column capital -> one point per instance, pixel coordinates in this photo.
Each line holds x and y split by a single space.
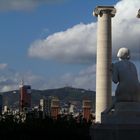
138 15
99 10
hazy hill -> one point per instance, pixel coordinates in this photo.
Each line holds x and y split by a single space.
65 94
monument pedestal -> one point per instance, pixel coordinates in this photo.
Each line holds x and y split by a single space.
123 113
115 132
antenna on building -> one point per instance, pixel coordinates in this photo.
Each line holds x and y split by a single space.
21 82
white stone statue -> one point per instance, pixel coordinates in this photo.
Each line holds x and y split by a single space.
124 74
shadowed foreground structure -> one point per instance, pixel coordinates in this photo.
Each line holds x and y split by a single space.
115 132
60 129
65 128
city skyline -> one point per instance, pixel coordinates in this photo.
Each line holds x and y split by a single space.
53 44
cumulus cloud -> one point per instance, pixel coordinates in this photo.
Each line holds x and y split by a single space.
23 4
3 66
75 44
126 27
84 79
10 79
78 43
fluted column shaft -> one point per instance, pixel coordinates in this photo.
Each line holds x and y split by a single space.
138 15
104 59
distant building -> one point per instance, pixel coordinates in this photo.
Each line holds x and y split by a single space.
5 109
86 109
43 107
48 105
55 107
25 97
71 108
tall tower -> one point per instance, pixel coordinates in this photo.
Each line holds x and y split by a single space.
25 97
86 109
104 59
43 107
71 108
55 107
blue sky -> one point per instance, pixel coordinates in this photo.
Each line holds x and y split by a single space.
52 43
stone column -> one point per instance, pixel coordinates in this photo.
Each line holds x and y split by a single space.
104 59
138 15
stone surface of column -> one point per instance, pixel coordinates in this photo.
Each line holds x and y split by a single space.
104 59
138 15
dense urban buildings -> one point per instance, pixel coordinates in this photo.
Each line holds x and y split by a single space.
56 119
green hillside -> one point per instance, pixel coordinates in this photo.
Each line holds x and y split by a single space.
65 94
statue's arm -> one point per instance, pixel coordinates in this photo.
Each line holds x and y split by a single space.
115 74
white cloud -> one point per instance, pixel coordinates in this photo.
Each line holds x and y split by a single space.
6 88
10 79
78 44
84 79
3 66
126 27
23 4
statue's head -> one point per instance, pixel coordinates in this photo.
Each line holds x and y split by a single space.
123 53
